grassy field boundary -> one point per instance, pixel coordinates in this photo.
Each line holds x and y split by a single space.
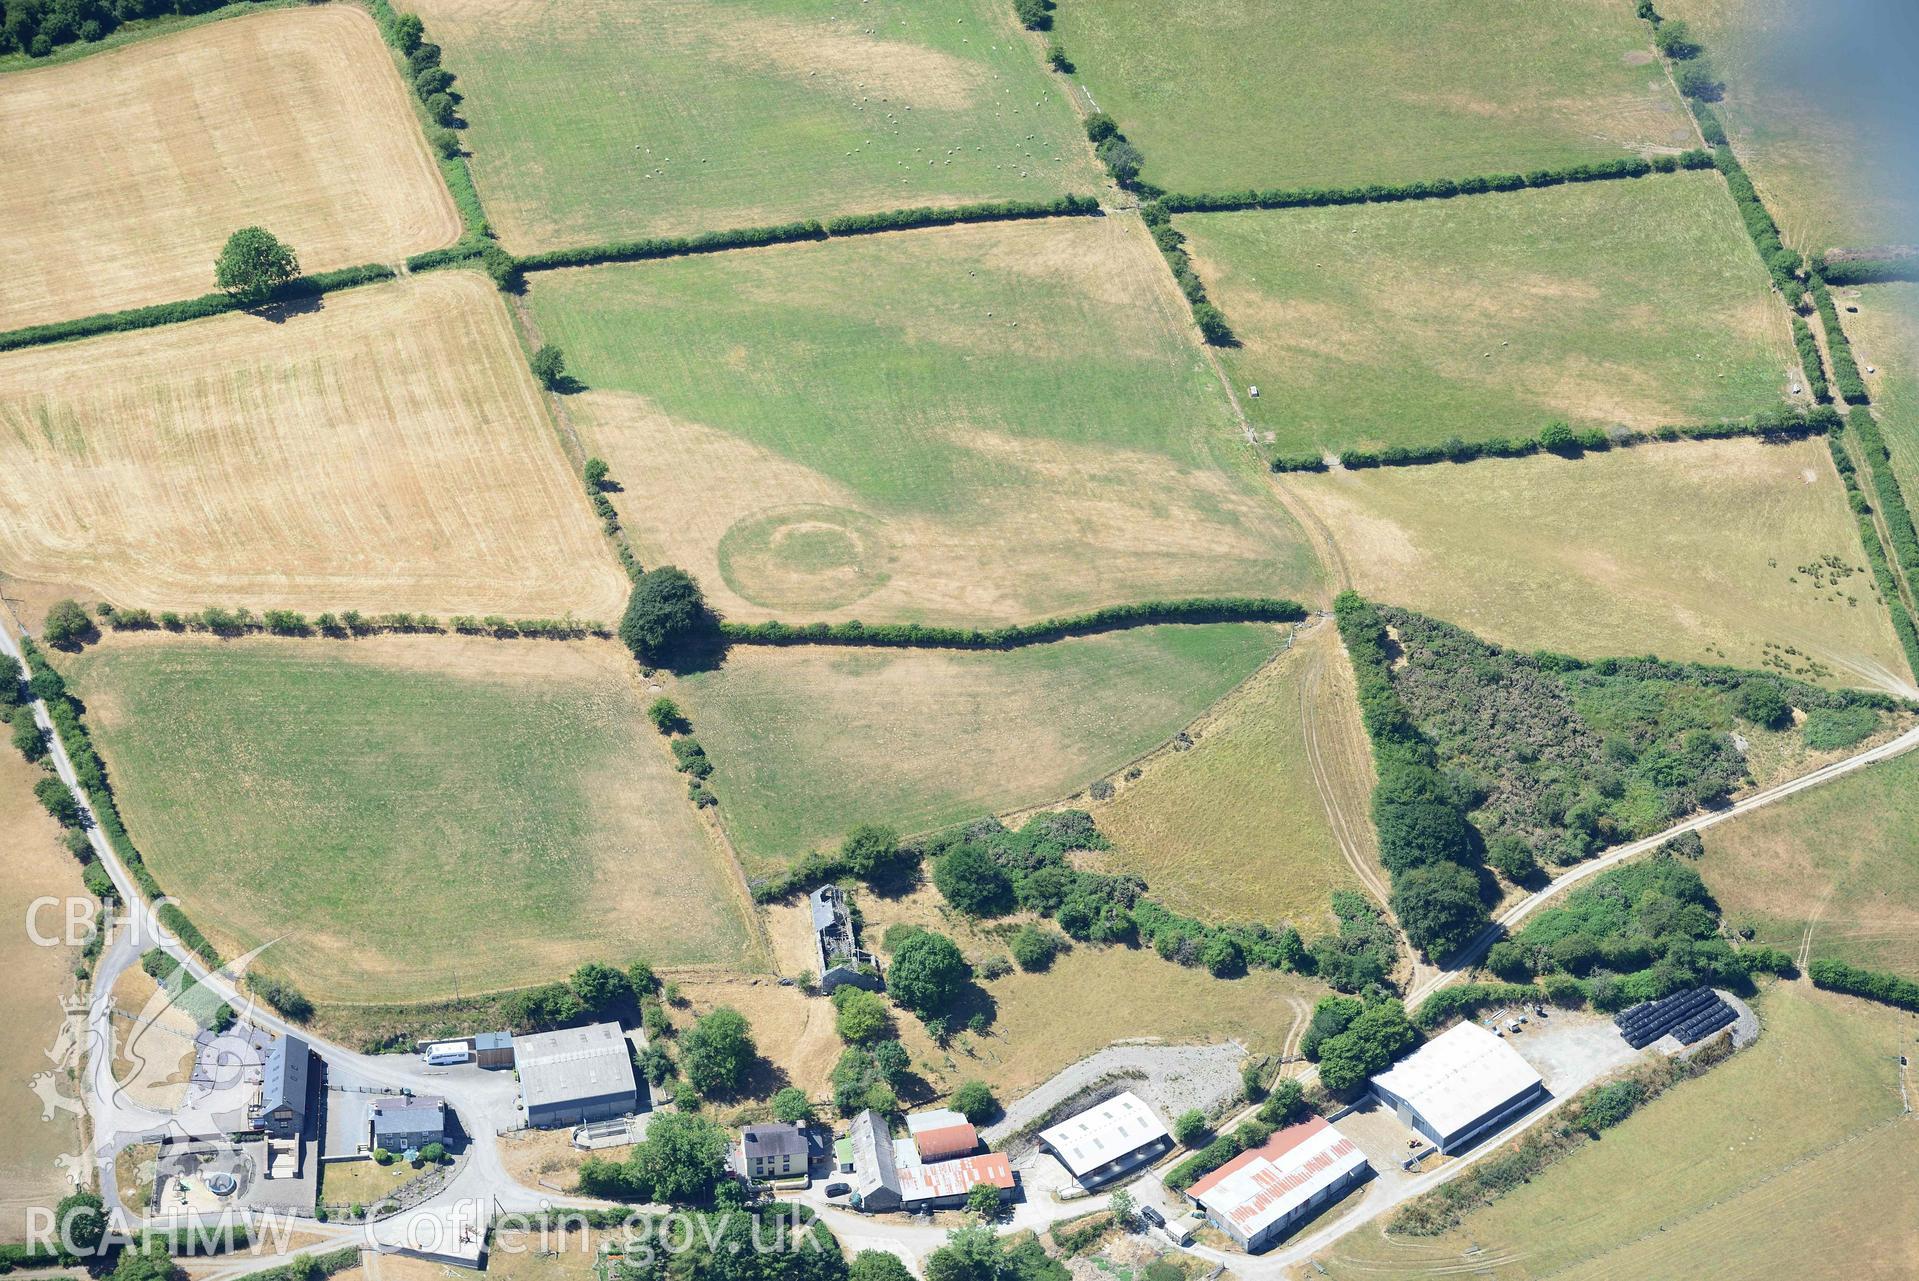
1891 499
1872 985
1782 424
1867 269
1231 609
172 313
1845 370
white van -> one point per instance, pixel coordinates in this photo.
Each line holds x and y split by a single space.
443 1053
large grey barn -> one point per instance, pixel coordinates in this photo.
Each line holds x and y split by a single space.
576 1074
1460 1086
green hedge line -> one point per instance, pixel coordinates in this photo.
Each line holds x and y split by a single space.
1882 577
170 313
1809 359
1781 263
992 211
28 1256
1432 189
1782 423
1868 271
1891 499
673 246
1228 609
1874 985
1845 370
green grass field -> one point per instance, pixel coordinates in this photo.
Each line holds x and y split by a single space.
1235 93
807 743
1841 860
409 816
966 425
1775 1163
1885 336
1689 550
609 119
1242 806
1632 303
1831 177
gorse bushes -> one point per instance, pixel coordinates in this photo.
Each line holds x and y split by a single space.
1429 189
1226 609
1782 423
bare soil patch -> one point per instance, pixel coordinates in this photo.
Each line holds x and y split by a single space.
127 171
386 451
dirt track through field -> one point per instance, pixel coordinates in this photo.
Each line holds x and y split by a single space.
386 451
126 172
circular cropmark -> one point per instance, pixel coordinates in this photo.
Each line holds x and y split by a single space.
806 557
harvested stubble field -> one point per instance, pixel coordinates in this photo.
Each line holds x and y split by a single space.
1237 93
38 978
127 171
1242 809
1831 162
1885 336
387 450
807 743
410 816
1838 864
1630 303
969 425
593 120
1690 551
1772 1164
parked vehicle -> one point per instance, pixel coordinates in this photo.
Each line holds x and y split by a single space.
1152 1216
838 1189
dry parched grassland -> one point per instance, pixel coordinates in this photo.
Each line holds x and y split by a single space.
387 451
410 815
1688 551
1791 1159
972 425
1839 863
1232 94
807 743
1831 173
126 172
34 865
1236 827
598 120
1884 333
1630 303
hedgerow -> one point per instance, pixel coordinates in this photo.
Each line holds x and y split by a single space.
37 28
1783 423
1892 500
1171 243
1845 370
1463 999
1882 576
1430 189
1874 985
992 211
673 246
1867 269
171 313
1809 359
1781 263
1225 609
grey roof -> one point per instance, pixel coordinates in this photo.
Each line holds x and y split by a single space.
405 1113
493 1041
777 1139
574 1064
873 1161
827 906
284 1079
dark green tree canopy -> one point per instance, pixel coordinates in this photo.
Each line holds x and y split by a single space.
666 616
927 973
717 1051
253 264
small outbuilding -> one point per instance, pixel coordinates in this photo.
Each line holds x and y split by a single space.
940 1134
493 1049
1108 1139
1266 1192
1459 1086
576 1074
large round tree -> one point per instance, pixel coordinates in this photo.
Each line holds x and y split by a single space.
927 973
253 264
666 616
